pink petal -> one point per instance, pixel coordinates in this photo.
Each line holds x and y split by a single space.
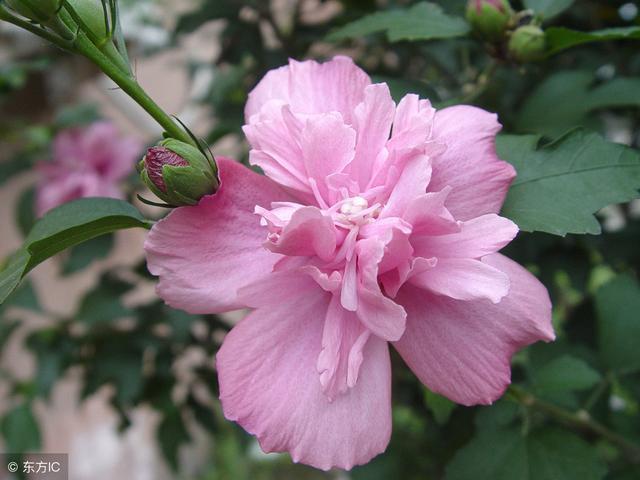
477 238
334 86
327 146
269 384
412 124
470 164
312 87
464 279
373 120
384 317
428 216
343 340
412 183
308 233
275 143
462 349
204 254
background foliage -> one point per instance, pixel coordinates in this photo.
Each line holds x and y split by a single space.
573 412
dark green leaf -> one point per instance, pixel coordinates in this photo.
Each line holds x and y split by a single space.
559 187
565 373
618 307
560 38
507 454
25 211
20 430
571 97
423 21
64 227
548 8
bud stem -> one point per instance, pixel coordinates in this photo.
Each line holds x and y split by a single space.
30 27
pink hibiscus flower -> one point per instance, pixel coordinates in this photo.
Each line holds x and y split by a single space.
87 162
375 223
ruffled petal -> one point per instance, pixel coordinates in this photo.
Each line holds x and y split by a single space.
373 120
308 233
267 370
204 254
478 237
311 87
464 279
462 349
470 164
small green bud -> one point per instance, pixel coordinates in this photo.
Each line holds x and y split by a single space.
92 14
40 11
178 173
527 44
489 19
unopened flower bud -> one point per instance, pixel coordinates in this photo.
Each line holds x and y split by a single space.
40 11
92 16
178 173
489 19
527 44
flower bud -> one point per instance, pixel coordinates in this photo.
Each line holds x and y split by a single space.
527 44
40 11
178 173
489 19
92 15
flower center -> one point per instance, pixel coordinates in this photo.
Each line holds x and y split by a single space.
354 205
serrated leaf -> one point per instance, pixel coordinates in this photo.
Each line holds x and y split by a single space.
64 227
565 373
548 9
562 185
561 38
507 454
571 95
423 21
618 307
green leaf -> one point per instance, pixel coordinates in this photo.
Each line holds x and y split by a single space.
548 8
617 306
571 96
423 21
25 211
507 454
20 430
64 227
440 406
565 373
560 38
560 186
12 167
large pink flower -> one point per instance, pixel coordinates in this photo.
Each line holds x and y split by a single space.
375 223
87 162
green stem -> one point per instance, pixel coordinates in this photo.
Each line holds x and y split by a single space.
483 81
131 87
581 420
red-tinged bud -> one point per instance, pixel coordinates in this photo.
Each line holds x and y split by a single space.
489 19
156 158
178 173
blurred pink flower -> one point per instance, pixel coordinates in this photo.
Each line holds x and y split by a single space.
377 223
87 162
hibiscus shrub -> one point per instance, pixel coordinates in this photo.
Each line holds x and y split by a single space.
433 235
